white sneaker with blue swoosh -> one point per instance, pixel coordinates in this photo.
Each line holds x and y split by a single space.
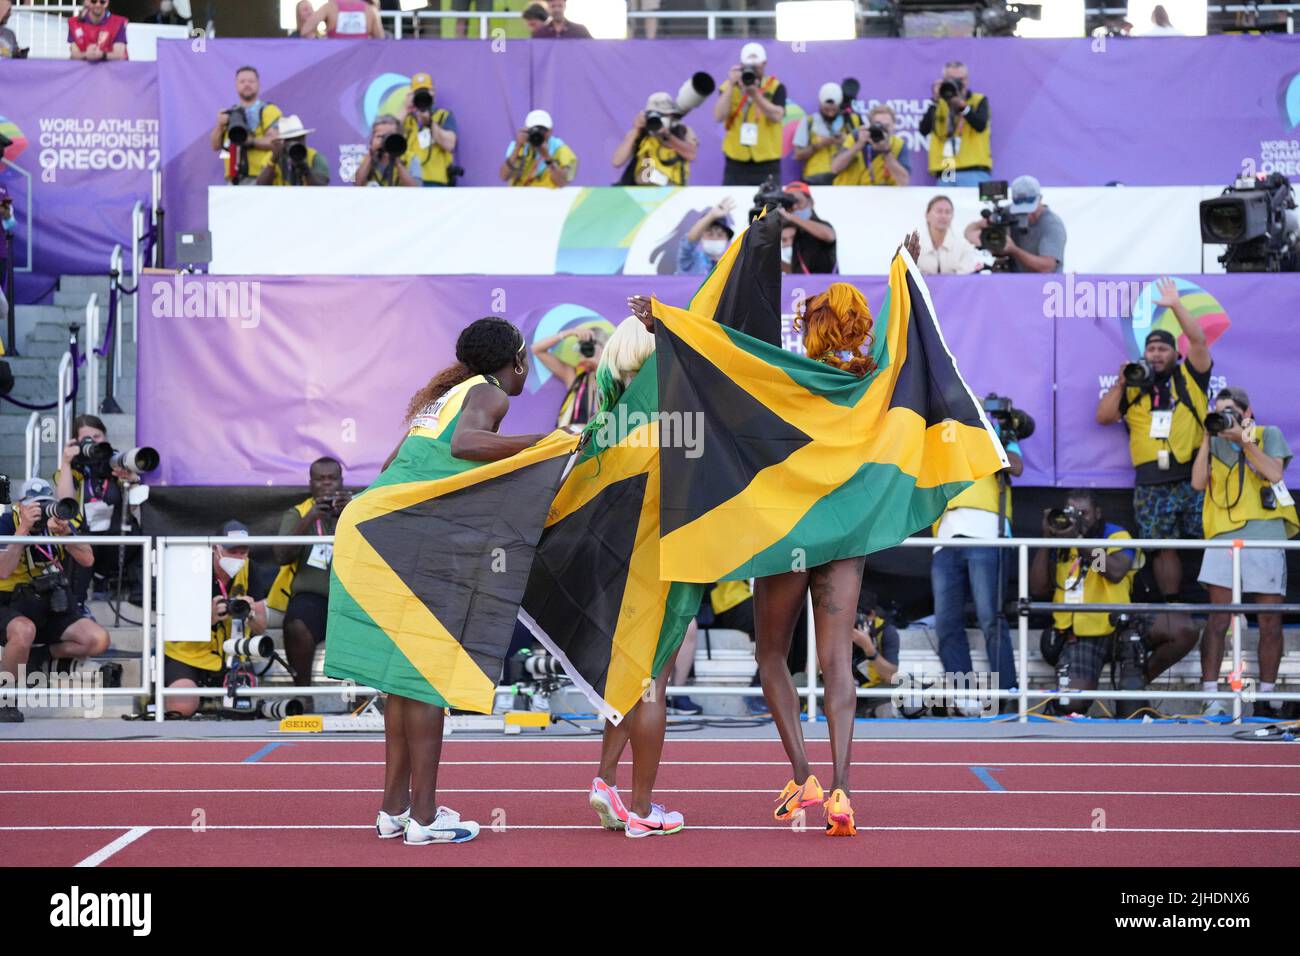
447 827
390 826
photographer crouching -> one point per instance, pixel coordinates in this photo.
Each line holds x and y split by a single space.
203 663
1022 235
293 162
301 590
1240 467
386 162
41 621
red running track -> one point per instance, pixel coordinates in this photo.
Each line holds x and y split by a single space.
296 802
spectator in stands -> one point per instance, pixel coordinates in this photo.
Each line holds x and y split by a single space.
751 106
203 663
41 622
293 162
1161 25
1163 414
581 396
558 28
880 155
813 246
302 588
9 48
95 34
535 17
244 163
462 23
430 133
957 122
343 19
651 24
943 249
659 148
1241 470
165 15
875 653
957 572
538 157
706 240
1039 243
820 137
8 223
383 165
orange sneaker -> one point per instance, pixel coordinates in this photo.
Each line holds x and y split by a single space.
839 816
795 797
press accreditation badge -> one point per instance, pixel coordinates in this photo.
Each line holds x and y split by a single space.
748 134
655 176
321 556
425 138
1162 424
1284 499
1074 591
99 515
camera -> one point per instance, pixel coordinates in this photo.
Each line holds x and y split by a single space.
237 130
335 503
999 222
1256 219
135 460
1065 521
1014 423
536 136
394 145
1139 374
65 509
277 708
949 89
91 452
260 648
298 153
877 134
52 585
654 122
4 490
748 76
422 100
1216 422
1268 498
1128 667
770 194
587 348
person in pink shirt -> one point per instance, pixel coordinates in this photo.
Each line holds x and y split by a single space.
343 19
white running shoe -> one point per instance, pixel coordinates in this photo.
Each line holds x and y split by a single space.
607 803
660 822
447 827
1216 708
388 826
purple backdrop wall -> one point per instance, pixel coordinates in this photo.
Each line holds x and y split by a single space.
299 368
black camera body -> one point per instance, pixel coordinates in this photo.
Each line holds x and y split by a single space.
1014 423
237 128
950 89
1067 521
4 490
587 348
999 222
877 134
654 121
51 585
770 194
298 153
1139 374
422 100
1218 422
394 146
537 136
91 453
748 76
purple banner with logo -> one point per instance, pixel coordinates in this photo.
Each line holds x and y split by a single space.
84 139
244 381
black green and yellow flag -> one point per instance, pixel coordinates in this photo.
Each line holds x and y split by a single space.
595 598
430 564
802 463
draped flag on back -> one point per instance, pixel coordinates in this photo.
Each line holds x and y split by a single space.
430 563
803 463
595 598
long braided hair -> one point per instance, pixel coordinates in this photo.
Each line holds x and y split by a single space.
836 325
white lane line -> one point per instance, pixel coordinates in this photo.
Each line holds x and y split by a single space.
352 738
103 853
777 826
980 792
665 763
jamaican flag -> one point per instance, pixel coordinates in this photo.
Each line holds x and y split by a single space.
430 562
594 597
803 463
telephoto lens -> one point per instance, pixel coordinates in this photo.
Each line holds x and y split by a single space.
537 136
95 452
1063 520
237 127
65 509
395 145
422 100
277 708
748 77
1217 422
1139 374
297 153
260 648
947 90
136 460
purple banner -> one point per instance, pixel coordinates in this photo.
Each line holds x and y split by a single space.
85 137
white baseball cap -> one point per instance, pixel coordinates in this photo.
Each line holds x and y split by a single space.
830 93
538 118
752 54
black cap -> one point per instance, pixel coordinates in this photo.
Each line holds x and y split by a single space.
234 528
1160 335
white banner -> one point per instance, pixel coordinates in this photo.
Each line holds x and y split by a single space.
608 231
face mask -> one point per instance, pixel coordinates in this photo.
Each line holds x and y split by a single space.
232 566
804 213
714 248
9 225
787 254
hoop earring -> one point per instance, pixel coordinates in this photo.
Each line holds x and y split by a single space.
518 370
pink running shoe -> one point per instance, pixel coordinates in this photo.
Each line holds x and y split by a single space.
660 822
605 800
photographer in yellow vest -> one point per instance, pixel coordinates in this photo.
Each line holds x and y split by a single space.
430 134
750 106
1161 402
880 157
957 123
658 149
821 137
1240 468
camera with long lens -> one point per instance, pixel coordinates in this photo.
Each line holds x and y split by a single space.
298 153
239 608
1128 669
254 648
536 136
877 134
748 76
1256 219
770 194
949 90
394 146
654 121
1066 522
1218 422
91 453
851 87
999 222
51 585
64 509
135 460
237 129
1139 374
422 100
278 708
1014 424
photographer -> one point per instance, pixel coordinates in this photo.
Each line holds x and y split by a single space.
824 136
1162 403
245 131
813 247
581 398
957 122
659 148
293 162
875 653
203 663
1034 238
95 35
302 588
751 106
943 250
430 134
386 162
1240 468
706 241
882 155
978 573
537 157
37 607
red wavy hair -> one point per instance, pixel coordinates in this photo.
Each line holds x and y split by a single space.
838 321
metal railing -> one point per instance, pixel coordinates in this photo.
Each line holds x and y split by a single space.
32 451
92 352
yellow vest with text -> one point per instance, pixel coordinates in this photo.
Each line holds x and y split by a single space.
208 656
974 149
434 160
982 495
875 173
278 599
768 146
653 155
1184 433
277 175
820 161
1097 589
1232 499
531 161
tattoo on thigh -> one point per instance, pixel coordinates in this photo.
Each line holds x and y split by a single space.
822 583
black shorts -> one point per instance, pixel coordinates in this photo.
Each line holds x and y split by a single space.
36 608
174 670
738 618
312 610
